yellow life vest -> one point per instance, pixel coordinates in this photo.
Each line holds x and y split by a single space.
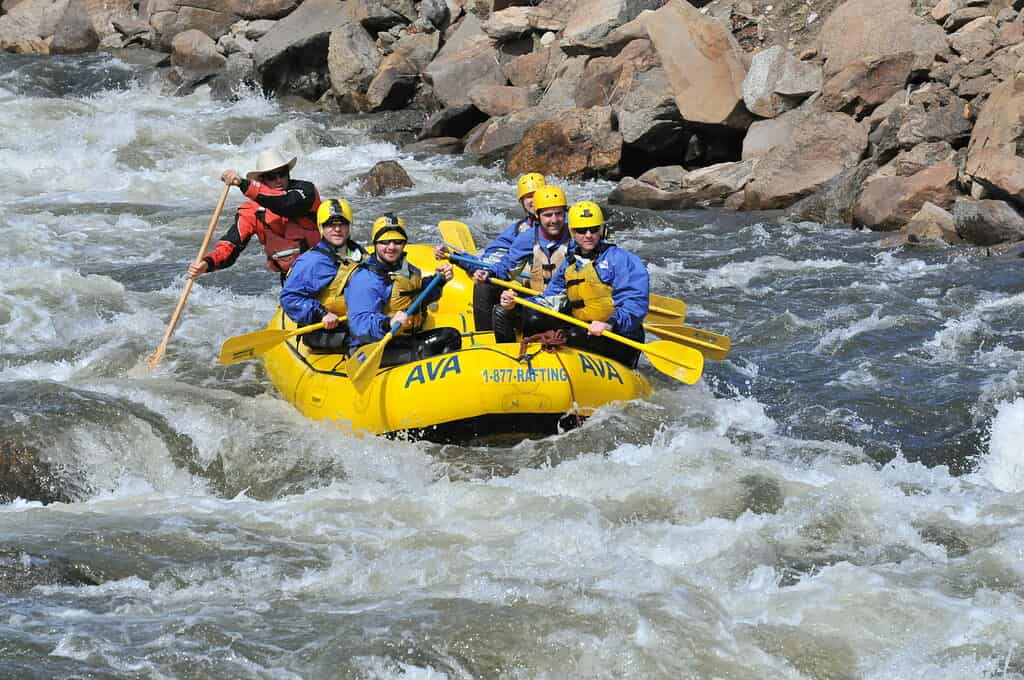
406 284
590 299
333 296
543 267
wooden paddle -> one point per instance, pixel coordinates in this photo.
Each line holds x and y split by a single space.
364 362
154 358
251 345
682 363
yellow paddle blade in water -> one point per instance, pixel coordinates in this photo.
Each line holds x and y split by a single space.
252 345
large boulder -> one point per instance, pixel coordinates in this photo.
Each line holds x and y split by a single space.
292 55
994 156
560 93
864 84
579 143
498 100
398 76
30 25
385 177
765 135
75 33
888 203
381 15
822 146
352 61
592 20
635 85
468 58
931 223
976 40
703 62
168 18
494 139
987 222
514 22
834 202
777 81
675 188
194 57
535 68
860 29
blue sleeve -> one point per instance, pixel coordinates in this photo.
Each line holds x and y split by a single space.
310 275
631 290
365 296
520 251
497 248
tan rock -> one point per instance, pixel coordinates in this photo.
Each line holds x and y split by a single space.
992 154
468 58
579 143
888 203
860 29
535 68
704 64
498 100
931 223
821 147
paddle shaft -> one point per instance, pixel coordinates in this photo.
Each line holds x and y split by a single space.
158 353
370 361
257 343
480 264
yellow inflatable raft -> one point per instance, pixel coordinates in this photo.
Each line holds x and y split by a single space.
484 390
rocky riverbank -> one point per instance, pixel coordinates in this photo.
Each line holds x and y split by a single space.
889 114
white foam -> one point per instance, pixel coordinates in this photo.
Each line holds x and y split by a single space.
1003 466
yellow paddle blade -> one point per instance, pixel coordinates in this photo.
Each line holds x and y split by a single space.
363 364
252 345
665 309
682 363
711 345
457 236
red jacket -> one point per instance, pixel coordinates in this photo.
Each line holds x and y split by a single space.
283 221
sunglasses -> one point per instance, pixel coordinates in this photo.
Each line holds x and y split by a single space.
335 225
587 230
392 242
274 174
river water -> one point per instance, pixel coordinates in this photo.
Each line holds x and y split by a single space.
842 498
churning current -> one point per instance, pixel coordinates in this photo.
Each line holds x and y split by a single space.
841 498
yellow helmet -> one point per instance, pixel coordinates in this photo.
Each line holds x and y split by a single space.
529 183
586 214
388 227
548 196
333 210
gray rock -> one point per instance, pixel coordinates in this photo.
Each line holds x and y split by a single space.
987 222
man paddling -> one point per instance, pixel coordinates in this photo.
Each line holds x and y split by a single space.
599 282
314 291
281 212
380 291
485 296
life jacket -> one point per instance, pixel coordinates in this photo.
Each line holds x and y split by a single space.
285 238
590 299
543 266
406 284
332 297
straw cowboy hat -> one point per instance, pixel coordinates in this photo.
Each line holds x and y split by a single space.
270 160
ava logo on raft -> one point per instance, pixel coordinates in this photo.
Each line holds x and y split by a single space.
429 371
